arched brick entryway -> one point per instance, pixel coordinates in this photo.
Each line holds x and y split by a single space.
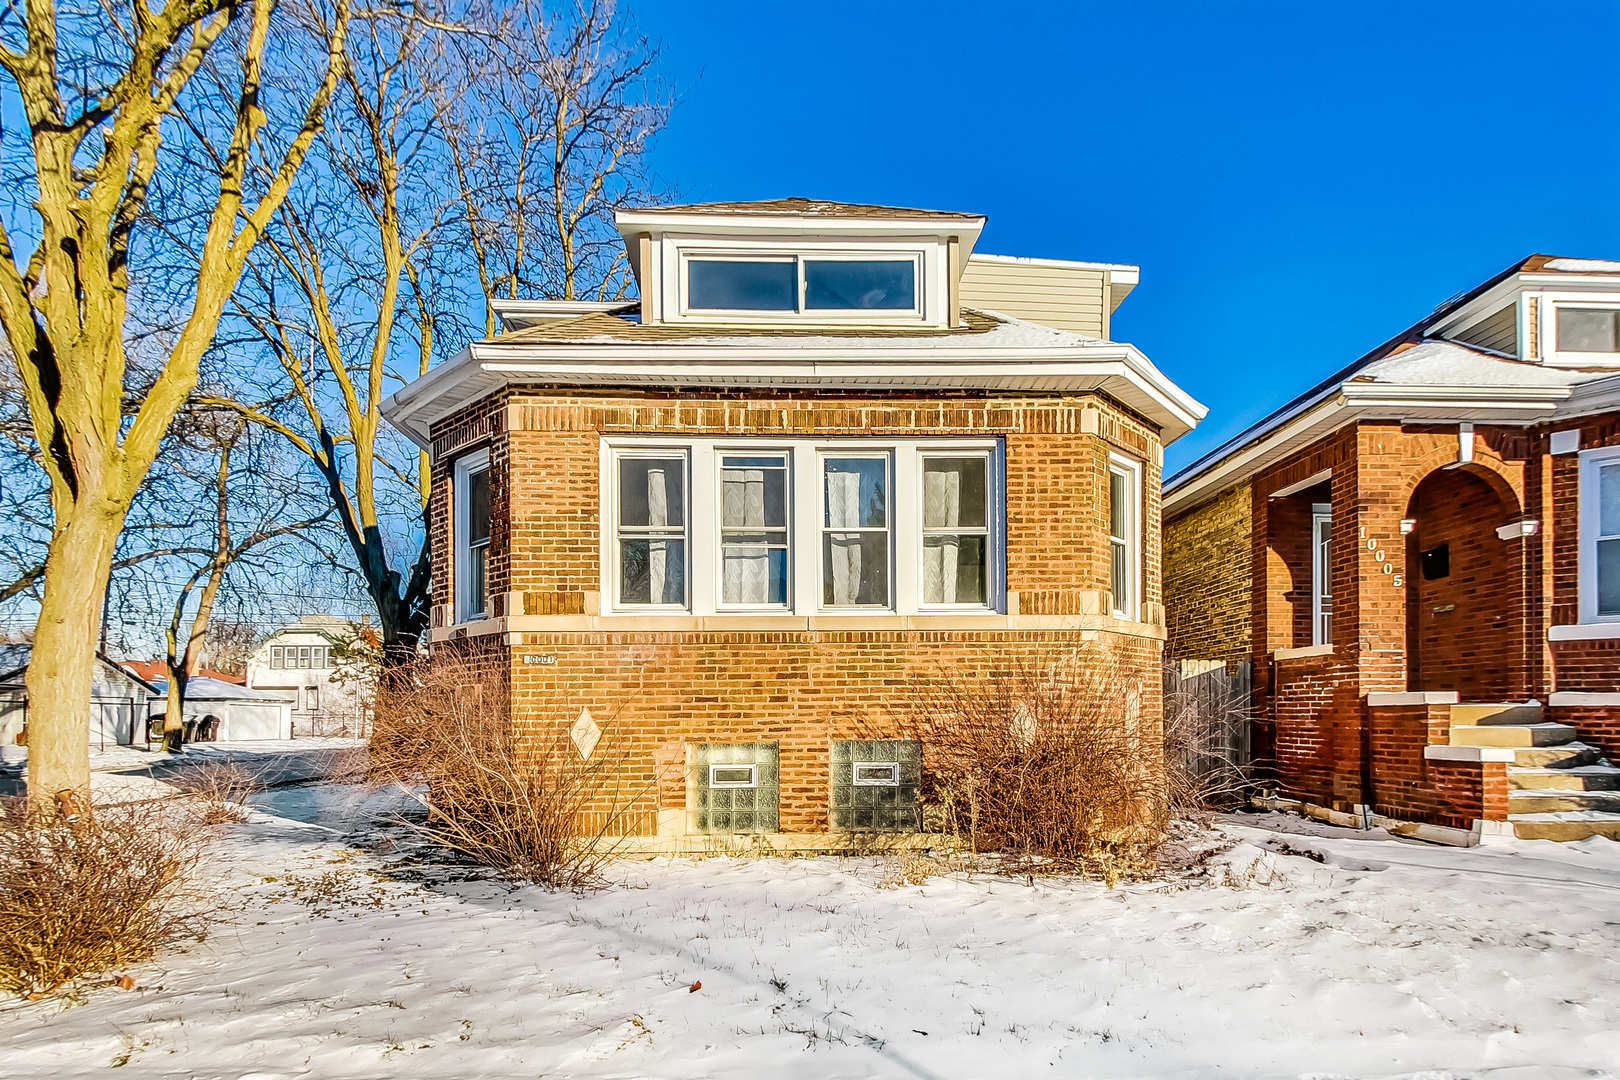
1464 588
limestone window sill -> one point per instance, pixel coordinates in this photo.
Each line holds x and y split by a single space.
1300 653
1584 632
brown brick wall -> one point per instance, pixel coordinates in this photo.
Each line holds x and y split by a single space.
1207 568
799 688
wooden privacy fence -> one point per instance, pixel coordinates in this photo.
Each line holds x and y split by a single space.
1206 717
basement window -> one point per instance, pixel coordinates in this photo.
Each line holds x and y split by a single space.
734 787
874 784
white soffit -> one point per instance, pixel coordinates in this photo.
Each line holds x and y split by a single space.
1309 482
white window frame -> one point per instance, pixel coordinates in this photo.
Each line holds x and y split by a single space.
465 466
805 516
1591 462
312 699
892 766
1548 331
1131 469
928 300
278 658
763 450
874 453
993 496
1321 574
613 563
753 774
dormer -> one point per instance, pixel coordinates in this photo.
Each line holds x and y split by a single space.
1560 312
799 263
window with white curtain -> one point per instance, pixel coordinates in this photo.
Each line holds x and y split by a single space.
754 530
652 530
955 529
855 532
718 525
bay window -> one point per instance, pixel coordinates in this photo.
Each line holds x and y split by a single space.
955 529
714 525
855 532
471 491
754 529
1600 535
1124 502
652 530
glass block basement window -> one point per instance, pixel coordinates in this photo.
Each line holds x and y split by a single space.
736 787
874 784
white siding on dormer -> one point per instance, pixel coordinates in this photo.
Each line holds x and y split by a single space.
1498 332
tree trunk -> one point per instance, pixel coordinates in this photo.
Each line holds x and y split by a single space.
63 662
174 711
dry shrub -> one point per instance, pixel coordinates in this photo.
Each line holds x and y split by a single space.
110 888
533 809
1206 737
222 788
1044 761
911 868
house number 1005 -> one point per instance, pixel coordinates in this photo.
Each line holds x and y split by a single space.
1374 546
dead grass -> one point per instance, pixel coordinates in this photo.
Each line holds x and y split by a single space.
535 809
1046 762
108 889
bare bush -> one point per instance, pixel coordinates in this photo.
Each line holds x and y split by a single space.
110 888
1044 761
222 787
1206 737
536 808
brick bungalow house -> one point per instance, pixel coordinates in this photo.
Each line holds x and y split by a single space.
829 447
1420 559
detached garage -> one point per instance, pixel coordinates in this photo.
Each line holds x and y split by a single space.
118 702
218 711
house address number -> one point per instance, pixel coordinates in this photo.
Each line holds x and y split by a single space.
1381 560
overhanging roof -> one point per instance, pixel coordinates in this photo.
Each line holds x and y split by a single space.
1008 355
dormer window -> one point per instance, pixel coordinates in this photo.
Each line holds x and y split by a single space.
1588 330
837 286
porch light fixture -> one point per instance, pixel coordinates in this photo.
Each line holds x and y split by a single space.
1408 526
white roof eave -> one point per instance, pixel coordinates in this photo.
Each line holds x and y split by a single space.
1118 369
1349 401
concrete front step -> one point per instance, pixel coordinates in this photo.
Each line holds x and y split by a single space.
1567 756
1565 826
1472 714
1558 802
1576 778
1512 735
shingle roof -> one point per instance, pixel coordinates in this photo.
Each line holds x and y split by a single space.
611 329
798 205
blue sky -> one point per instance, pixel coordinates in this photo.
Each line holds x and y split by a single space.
1298 181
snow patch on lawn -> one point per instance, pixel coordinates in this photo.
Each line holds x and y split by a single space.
1299 950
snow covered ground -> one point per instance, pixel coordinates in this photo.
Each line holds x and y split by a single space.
1386 958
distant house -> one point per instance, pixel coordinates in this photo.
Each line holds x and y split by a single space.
118 702
1419 558
229 712
299 661
156 671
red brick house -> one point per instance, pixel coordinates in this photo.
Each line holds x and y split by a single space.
1420 558
829 447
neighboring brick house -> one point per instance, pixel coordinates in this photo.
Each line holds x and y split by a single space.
738 514
1421 559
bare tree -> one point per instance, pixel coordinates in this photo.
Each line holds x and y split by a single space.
185 637
94 86
542 123
546 141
